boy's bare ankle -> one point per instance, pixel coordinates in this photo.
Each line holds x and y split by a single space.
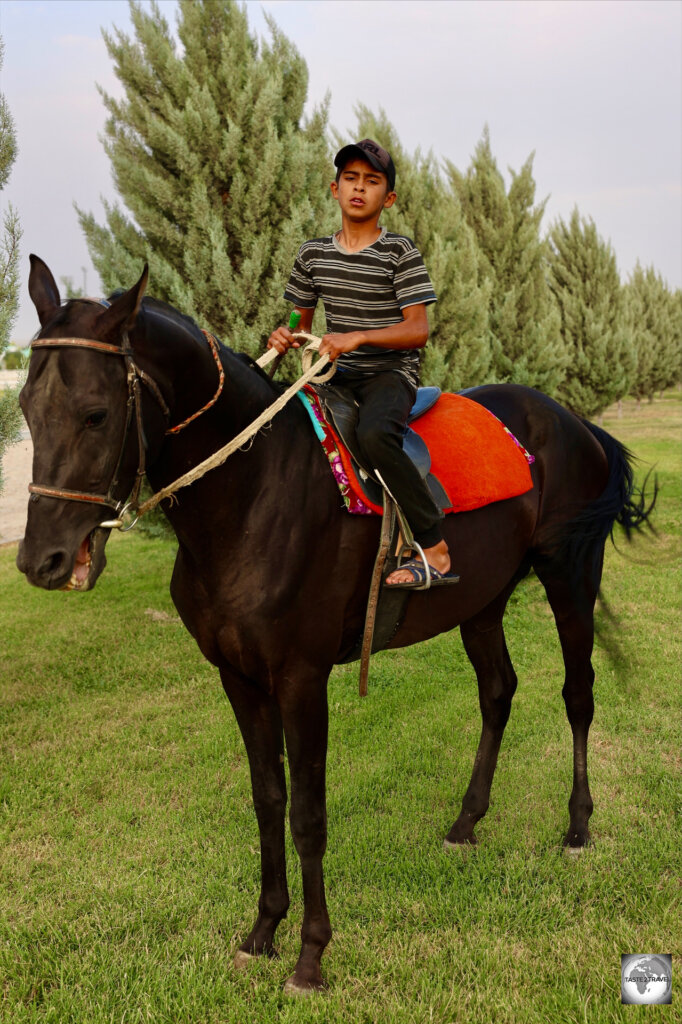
438 556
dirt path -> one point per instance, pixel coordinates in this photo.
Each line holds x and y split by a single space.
16 472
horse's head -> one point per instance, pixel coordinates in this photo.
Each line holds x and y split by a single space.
80 404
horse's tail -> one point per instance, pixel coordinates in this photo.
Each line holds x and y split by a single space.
622 501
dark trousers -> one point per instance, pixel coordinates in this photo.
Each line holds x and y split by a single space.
385 400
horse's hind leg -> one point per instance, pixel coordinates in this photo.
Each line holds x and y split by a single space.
259 720
573 607
485 645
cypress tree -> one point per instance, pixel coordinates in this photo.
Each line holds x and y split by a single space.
458 354
524 322
653 314
676 306
10 416
584 279
221 176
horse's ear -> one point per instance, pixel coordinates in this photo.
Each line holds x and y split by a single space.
43 290
122 313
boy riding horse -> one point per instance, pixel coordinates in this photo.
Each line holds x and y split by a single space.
375 290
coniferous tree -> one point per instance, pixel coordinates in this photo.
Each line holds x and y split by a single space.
676 306
524 322
654 319
69 290
584 279
10 416
458 354
221 176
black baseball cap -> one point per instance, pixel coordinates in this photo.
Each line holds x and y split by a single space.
371 151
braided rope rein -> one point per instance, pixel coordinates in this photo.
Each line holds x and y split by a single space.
213 344
311 372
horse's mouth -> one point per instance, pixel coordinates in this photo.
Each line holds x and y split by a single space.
83 575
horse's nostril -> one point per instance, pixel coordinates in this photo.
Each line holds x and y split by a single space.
53 565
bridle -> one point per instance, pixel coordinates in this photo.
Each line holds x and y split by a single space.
135 378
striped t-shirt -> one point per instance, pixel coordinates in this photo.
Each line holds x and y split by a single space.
362 291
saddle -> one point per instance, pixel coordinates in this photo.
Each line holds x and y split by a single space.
466 455
340 410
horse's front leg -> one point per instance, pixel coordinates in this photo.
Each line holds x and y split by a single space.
305 718
259 720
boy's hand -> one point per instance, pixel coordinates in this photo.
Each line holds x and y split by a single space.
336 344
282 339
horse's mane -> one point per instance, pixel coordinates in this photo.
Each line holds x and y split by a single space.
61 317
276 386
226 353
150 304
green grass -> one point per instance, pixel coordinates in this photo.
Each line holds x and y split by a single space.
128 843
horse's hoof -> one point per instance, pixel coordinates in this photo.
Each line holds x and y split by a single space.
573 852
460 847
243 960
292 987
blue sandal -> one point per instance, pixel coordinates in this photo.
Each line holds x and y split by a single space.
419 581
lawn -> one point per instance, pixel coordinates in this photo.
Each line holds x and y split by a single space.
129 849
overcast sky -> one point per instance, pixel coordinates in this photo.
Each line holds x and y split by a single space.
594 88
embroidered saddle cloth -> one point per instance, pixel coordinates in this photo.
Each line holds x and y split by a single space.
466 455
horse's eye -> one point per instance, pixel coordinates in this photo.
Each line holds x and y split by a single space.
95 419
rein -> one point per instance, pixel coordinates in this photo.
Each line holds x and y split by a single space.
222 455
136 377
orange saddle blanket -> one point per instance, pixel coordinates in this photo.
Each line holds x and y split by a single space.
473 455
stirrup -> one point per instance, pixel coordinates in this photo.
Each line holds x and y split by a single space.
408 544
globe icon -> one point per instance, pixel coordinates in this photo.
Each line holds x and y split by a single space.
646 979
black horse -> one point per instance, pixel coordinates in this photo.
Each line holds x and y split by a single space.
272 575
